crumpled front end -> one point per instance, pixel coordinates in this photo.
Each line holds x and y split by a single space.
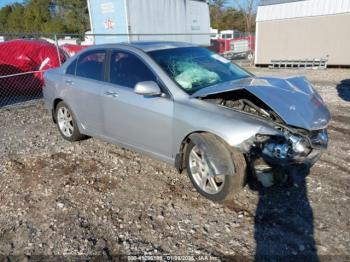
293 99
290 106
287 157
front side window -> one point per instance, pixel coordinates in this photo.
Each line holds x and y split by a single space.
127 70
194 68
91 65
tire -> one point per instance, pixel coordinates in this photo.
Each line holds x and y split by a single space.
66 124
229 185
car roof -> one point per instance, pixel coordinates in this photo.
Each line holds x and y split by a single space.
148 46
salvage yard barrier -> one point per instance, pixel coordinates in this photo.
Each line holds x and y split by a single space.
22 64
20 87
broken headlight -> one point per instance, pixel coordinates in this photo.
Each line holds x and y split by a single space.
291 147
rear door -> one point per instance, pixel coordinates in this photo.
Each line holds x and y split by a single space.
85 86
141 122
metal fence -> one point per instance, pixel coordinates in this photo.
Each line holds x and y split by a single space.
23 60
25 57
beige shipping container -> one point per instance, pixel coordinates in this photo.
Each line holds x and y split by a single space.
303 29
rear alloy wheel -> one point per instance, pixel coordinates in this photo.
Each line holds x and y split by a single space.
66 123
212 186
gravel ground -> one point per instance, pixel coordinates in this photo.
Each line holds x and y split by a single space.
92 198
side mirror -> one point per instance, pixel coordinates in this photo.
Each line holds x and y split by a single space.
147 88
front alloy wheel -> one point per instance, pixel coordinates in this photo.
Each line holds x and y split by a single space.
216 187
203 174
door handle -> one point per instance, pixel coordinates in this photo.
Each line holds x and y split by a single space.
69 82
112 94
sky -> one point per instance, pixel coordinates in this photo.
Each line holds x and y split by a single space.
7 2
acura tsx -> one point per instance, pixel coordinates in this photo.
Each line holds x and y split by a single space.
185 105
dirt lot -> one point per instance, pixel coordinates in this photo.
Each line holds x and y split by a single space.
92 198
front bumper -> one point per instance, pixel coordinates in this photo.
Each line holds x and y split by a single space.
277 160
308 160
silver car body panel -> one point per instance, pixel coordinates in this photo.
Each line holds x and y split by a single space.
293 99
157 126
145 122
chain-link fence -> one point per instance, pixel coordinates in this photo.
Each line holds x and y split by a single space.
23 60
25 57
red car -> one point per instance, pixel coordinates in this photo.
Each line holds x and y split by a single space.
71 50
21 63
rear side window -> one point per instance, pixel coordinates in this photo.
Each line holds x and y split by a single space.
127 70
71 68
91 65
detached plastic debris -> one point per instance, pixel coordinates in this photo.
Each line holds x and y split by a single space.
194 75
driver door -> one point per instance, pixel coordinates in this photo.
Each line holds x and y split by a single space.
143 123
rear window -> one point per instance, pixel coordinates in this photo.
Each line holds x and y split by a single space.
91 65
127 70
71 68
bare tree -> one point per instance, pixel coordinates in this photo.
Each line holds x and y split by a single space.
248 8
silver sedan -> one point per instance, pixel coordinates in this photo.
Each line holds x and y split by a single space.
192 108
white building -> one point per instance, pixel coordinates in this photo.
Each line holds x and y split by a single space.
133 20
303 29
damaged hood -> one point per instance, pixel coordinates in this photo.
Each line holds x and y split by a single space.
293 99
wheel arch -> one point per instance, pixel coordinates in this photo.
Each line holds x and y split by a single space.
224 160
55 102
54 106
180 156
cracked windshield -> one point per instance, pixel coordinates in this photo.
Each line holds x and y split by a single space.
194 68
